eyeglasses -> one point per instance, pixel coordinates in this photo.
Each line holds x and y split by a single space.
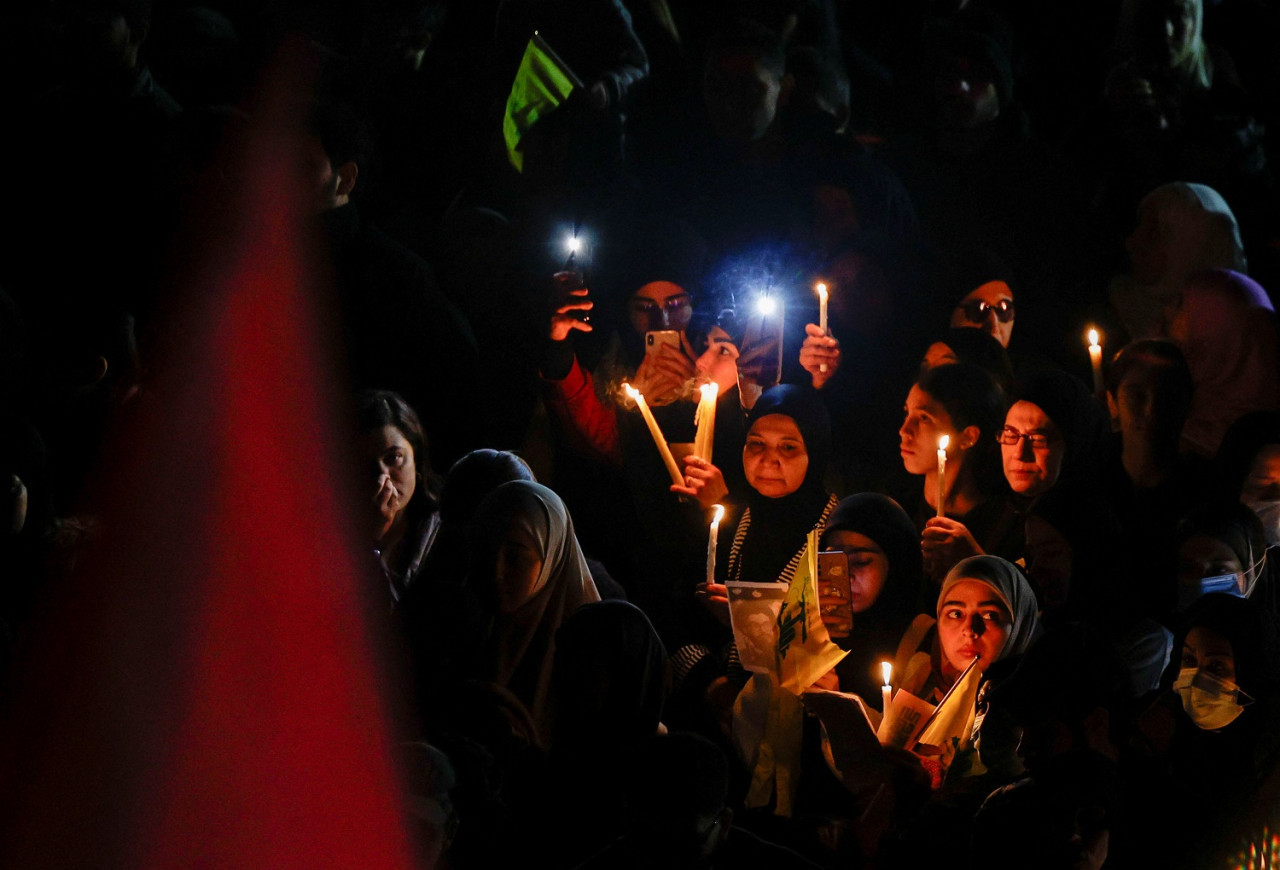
675 311
1011 437
976 311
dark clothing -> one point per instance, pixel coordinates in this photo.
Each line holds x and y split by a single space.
402 334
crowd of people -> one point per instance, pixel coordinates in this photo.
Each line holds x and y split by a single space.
1074 548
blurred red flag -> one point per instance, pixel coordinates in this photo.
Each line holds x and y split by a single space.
211 691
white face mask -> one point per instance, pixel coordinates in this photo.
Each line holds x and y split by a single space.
1269 512
1210 701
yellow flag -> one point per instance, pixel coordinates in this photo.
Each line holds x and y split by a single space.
542 83
805 650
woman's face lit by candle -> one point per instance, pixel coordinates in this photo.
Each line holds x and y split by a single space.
972 620
926 419
774 458
718 364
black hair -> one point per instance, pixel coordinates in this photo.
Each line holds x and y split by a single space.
1173 382
972 397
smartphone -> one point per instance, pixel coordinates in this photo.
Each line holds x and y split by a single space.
760 356
833 571
656 338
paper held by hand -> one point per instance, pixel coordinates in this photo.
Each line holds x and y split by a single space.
904 720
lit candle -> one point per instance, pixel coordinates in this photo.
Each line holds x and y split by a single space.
943 442
705 419
886 691
716 517
676 477
822 314
1095 358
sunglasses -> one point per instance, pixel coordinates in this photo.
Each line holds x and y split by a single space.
976 311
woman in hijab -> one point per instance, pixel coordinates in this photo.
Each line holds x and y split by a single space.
532 576
885 576
1052 431
1226 327
1183 229
786 451
985 612
1211 737
986 609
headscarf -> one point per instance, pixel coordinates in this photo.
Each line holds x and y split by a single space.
521 646
1011 587
1198 231
1138 17
1068 403
877 629
779 525
1233 353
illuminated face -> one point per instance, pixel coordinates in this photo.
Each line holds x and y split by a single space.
1263 480
868 566
1207 650
983 308
774 458
972 620
718 364
393 469
925 421
1031 468
517 568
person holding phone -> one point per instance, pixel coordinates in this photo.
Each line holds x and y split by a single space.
869 610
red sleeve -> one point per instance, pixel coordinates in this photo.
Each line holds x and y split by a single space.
591 426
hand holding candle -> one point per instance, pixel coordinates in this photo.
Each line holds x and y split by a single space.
677 478
1095 360
944 442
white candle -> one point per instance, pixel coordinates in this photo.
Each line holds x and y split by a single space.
717 516
705 419
886 691
1095 359
676 477
943 442
822 315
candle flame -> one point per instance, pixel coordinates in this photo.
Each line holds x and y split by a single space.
944 441
718 515
886 668
710 391
632 392
573 244
1093 338
766 305
822 291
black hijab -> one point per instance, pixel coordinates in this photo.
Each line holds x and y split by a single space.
779 525
877 629
1071 407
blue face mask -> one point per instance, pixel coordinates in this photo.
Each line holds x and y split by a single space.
1228 583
